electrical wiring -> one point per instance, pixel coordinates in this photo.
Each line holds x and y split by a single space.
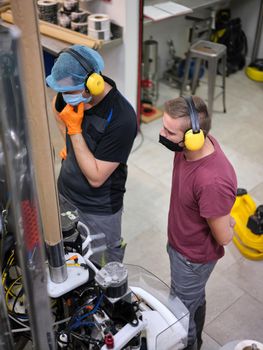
76 320
9 264
84 307
17 321
76 343
13 289
94 310
19 295
81 324
88 339
9 289
10 257
81 318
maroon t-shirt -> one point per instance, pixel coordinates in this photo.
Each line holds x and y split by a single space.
201 189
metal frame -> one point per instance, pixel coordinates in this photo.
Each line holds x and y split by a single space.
24 200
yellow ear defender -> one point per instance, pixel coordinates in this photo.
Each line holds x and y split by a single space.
94 82
194 138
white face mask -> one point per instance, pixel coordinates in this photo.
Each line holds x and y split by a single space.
75 99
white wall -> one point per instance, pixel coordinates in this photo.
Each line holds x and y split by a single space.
121 61
248 12
131 46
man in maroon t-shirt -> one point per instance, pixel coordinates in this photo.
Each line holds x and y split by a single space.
203 192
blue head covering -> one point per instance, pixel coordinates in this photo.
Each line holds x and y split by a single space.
68 74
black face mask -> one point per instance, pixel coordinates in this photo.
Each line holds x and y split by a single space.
172 146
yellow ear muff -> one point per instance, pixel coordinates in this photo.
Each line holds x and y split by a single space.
95 84
193 142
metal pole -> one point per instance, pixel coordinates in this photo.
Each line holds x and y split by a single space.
21 181
26 18
258 32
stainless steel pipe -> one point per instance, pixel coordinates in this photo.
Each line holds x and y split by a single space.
56 261
21 182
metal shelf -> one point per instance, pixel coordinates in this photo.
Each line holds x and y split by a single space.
192 4
53 45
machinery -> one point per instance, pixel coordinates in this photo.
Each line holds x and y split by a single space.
248 236
174 73
96 308
176 66
150 71
82 306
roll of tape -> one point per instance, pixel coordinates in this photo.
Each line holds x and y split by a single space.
79 16
99 34
47 10
79 27
64 19
47 2
248 345
99 21
70 6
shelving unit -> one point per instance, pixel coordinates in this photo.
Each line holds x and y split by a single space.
55 38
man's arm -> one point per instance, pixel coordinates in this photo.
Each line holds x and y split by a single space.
96 171
222 228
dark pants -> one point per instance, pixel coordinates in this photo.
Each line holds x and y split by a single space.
188 281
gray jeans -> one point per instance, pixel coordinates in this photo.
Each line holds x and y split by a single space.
188 281
110 225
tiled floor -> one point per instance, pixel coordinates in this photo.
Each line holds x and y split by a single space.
235 289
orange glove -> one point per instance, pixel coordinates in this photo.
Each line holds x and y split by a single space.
73 119
63 153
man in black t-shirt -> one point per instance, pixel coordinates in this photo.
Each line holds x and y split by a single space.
99 126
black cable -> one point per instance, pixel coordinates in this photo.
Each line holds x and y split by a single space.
76 340
87 339
17 297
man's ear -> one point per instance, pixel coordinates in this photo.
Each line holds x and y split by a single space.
162 133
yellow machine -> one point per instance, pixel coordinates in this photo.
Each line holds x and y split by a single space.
255 70
248 243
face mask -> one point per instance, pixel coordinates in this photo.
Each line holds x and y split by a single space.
75 99
172 146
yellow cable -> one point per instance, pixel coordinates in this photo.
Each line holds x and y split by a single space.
9 289
8 264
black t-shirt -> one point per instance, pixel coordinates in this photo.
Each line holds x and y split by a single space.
109 129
